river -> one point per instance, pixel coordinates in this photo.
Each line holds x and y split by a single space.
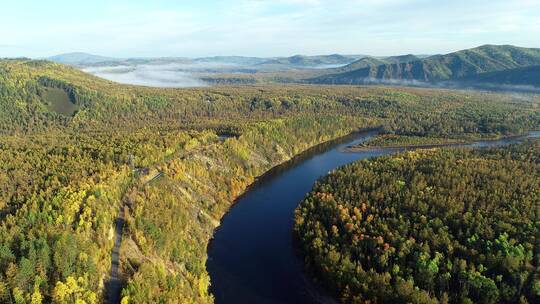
252 258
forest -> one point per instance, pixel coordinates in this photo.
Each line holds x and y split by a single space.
64 175
428 226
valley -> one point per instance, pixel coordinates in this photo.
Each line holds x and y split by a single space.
270 152
66 174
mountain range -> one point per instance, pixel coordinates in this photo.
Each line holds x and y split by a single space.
298 61
487 63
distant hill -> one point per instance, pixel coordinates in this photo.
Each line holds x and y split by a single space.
310 61
457 66
362 63
368 61
79 58
239 60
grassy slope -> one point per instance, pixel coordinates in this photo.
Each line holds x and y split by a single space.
58 101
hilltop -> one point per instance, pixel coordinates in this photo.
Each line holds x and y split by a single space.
370 61
79 58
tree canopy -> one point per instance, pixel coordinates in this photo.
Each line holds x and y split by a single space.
432 226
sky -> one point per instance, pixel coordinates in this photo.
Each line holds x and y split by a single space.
156 28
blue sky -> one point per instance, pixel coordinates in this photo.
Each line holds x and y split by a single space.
263 28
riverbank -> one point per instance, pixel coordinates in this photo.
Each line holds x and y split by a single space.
315 291
305 154
443 143
240 253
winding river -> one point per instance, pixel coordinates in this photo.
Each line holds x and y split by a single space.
252 258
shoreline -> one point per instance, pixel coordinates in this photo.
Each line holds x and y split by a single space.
291 162
353 149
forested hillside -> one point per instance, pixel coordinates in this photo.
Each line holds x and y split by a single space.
69 144
434 226
527 76
455 66
369 61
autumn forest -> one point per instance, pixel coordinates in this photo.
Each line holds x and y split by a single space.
433 226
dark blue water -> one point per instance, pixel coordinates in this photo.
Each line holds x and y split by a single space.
252 258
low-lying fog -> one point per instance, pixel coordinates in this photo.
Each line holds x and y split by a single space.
455 85
186 75
170 75
179 74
